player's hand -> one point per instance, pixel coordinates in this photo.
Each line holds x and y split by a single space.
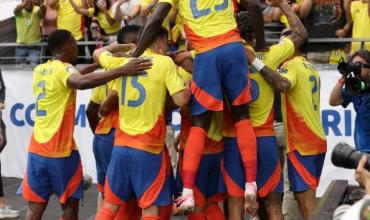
136 66
362 176
274 3
341 33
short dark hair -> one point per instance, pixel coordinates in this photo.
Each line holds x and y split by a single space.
124 31
162 32
364 54
244 25
58 39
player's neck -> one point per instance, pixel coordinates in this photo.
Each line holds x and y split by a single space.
61 58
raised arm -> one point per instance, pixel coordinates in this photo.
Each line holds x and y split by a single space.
113 48
299 33
18 9
152 27
92 115
305 8
53 3
336 94
271 76
257 23
133 67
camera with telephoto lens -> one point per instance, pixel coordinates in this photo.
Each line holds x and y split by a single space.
353 82
345 156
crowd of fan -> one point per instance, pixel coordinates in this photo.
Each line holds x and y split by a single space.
100 20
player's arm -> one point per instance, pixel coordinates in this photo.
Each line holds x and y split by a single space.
299 33
152 27
89 68
111 102
92 115
271 76
133 67
113 49
255 14
181 98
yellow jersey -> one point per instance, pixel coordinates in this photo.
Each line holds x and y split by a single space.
301 108
261 109
98 96
207 24
166 21
104 24
69 19
361 24
142 101
213 143
55 110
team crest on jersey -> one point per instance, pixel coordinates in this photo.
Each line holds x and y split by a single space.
71 70
283 70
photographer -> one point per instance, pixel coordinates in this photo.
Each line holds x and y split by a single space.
356 77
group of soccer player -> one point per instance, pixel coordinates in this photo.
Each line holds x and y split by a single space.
227 149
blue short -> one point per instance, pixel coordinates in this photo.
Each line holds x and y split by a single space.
269 175
102 148
304 171
134 173
209 184
223 70
46 175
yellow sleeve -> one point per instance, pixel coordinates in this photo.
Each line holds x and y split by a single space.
278 53
173 81
65 72
145 3
184 74
108 61
95 96
288 70
115 86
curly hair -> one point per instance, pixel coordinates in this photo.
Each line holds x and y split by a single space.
244 25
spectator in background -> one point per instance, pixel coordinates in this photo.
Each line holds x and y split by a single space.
326 20
109 27
5 211
361 102
301 7
48 25
69 19
360 19
28 17
128 12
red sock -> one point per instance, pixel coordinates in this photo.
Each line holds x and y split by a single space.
193 153
247 144
151 218
165 212
214 212
197 216
104 214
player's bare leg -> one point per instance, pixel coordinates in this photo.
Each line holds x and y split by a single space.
35 210
70 209
273 206
306 202
192 155
151 213
236 207
107 211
